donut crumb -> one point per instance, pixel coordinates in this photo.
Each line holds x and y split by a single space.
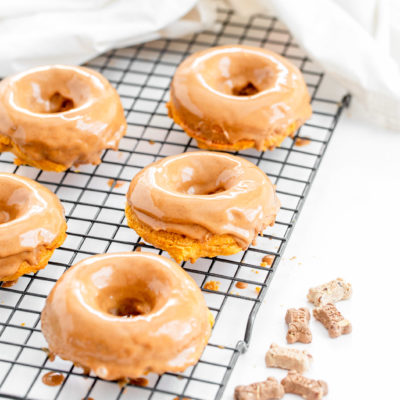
212 285
267 260
302 142
241 285
117 185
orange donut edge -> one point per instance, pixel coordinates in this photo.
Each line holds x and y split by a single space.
182 248
270 143
6 144
44 257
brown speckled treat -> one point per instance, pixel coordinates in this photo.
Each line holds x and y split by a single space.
270 389
330 292
309 389
332 320
298 329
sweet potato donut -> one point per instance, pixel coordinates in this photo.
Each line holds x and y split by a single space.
57 116
32 226
123 315
201 204
236 97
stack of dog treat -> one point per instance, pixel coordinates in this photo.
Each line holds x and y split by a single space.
298 361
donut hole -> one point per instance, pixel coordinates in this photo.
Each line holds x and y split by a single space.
59 103
200 175
247 90
239 72
127 290
52 90
14 201
128 302
131 307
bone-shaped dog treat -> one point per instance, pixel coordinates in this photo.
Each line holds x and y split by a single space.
309 389
270 389
332 320
288 358
330 292
298 330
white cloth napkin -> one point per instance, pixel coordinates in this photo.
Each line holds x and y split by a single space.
38 32
355 41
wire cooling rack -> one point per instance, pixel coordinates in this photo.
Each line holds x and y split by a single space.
94 200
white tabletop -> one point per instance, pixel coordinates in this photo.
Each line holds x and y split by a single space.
349 229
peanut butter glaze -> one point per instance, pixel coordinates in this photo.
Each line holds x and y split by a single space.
202 193
232 93
53 379
31 217
63 114
125 314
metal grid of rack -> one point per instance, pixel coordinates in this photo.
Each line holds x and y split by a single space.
94 200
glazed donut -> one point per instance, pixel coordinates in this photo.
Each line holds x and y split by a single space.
32 226
123 315
201 204
237 97
57 116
